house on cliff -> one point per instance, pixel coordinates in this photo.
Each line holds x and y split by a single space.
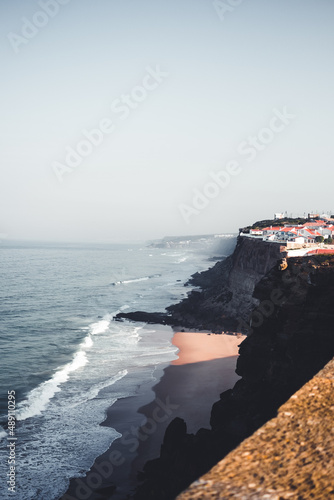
309 235
256 232
302 234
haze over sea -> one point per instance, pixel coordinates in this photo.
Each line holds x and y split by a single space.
64 356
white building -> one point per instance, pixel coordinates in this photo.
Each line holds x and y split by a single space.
286 233
270 237
271 230
256 232
327 231
299 239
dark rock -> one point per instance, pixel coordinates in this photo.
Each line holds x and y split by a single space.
224 295
225 298
174 435
291 339
145 317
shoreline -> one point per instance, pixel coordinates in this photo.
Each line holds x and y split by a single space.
181 389
191 384
197 347
187 392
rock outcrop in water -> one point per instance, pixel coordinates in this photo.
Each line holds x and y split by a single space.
291 339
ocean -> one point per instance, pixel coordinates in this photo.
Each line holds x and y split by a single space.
65 357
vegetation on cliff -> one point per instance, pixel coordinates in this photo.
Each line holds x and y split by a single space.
274 222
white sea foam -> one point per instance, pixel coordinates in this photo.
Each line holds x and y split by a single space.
136 333
135 280
182 259
65 436
100 326
87 342
74 414
126 282
3 433
94 391
39 397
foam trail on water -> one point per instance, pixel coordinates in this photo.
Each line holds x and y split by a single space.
135 280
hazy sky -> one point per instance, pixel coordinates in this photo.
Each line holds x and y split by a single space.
213 115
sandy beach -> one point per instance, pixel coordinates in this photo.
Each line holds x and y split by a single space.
188 387
196 347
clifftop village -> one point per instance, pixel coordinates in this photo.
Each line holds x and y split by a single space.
312 235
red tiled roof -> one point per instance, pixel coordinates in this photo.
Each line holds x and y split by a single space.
320 250
288 230
312 233
314 224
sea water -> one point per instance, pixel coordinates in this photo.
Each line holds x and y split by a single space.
67 359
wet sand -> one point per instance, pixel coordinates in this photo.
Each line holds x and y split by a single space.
187 388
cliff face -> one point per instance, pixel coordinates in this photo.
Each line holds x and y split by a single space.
226 297
252 259
291 339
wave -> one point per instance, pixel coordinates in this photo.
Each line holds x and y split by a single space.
135 280
38 398
94 391
182 259
100 326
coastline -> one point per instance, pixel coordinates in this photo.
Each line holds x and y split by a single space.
186 388
274 362
191 384
290 342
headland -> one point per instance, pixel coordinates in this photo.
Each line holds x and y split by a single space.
283 305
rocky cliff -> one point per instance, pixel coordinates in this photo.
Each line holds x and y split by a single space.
224 298
291 338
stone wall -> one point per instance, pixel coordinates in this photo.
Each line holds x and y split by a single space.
290 457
